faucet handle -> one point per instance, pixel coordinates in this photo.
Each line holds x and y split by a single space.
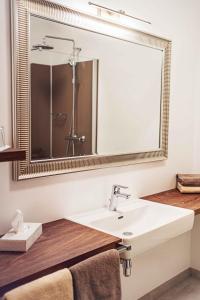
118 186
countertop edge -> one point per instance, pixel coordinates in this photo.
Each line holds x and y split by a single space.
175 198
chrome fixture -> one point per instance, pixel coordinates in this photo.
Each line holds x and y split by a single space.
60 38
76 138
125 259
119 12
116 193
42 46
127 266
72 136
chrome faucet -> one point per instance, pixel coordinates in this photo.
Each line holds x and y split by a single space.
116 193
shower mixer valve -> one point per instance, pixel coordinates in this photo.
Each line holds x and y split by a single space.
76 138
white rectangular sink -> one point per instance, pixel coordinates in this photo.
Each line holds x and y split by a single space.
141 223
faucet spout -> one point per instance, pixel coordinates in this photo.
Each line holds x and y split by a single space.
124 195
116 193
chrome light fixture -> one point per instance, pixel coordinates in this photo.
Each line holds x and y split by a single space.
112 12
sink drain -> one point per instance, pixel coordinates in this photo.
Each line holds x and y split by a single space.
127 233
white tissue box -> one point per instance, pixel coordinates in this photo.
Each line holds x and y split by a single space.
21 241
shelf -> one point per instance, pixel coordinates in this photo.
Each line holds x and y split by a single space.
62 244
12 154
175 198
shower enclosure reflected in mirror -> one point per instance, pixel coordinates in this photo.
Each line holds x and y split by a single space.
63 96
64 76
87 93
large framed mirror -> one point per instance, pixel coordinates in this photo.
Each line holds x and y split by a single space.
87 93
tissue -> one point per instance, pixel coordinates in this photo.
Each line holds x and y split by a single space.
21 236
18 222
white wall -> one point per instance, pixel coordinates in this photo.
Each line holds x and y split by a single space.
196 134
51 198
195 254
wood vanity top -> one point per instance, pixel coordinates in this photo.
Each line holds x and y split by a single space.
62 244
12 154
175 198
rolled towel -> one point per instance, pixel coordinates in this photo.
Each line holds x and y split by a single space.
98 277
56 286
188 179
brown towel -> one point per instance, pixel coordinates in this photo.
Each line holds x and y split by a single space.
189 179
56 286
98 278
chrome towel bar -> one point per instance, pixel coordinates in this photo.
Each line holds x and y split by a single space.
125 258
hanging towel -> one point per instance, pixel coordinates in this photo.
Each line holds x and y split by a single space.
98 278
56 286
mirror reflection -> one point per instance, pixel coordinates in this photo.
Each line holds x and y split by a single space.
87 98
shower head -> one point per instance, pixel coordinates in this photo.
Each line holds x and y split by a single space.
41 47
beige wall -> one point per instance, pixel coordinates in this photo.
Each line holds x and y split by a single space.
51 198
176 19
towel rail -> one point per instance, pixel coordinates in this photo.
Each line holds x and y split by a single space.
125 258
123 248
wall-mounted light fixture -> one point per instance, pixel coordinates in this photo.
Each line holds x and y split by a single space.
109 12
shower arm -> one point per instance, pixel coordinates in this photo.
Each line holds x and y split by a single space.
61 38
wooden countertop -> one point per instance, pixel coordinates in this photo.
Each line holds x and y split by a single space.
62 244
175 198
12 154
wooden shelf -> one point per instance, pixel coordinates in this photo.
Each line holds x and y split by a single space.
62 244
12 154
175 198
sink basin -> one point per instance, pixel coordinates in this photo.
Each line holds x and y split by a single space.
141 223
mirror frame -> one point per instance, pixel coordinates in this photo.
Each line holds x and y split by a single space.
21 11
